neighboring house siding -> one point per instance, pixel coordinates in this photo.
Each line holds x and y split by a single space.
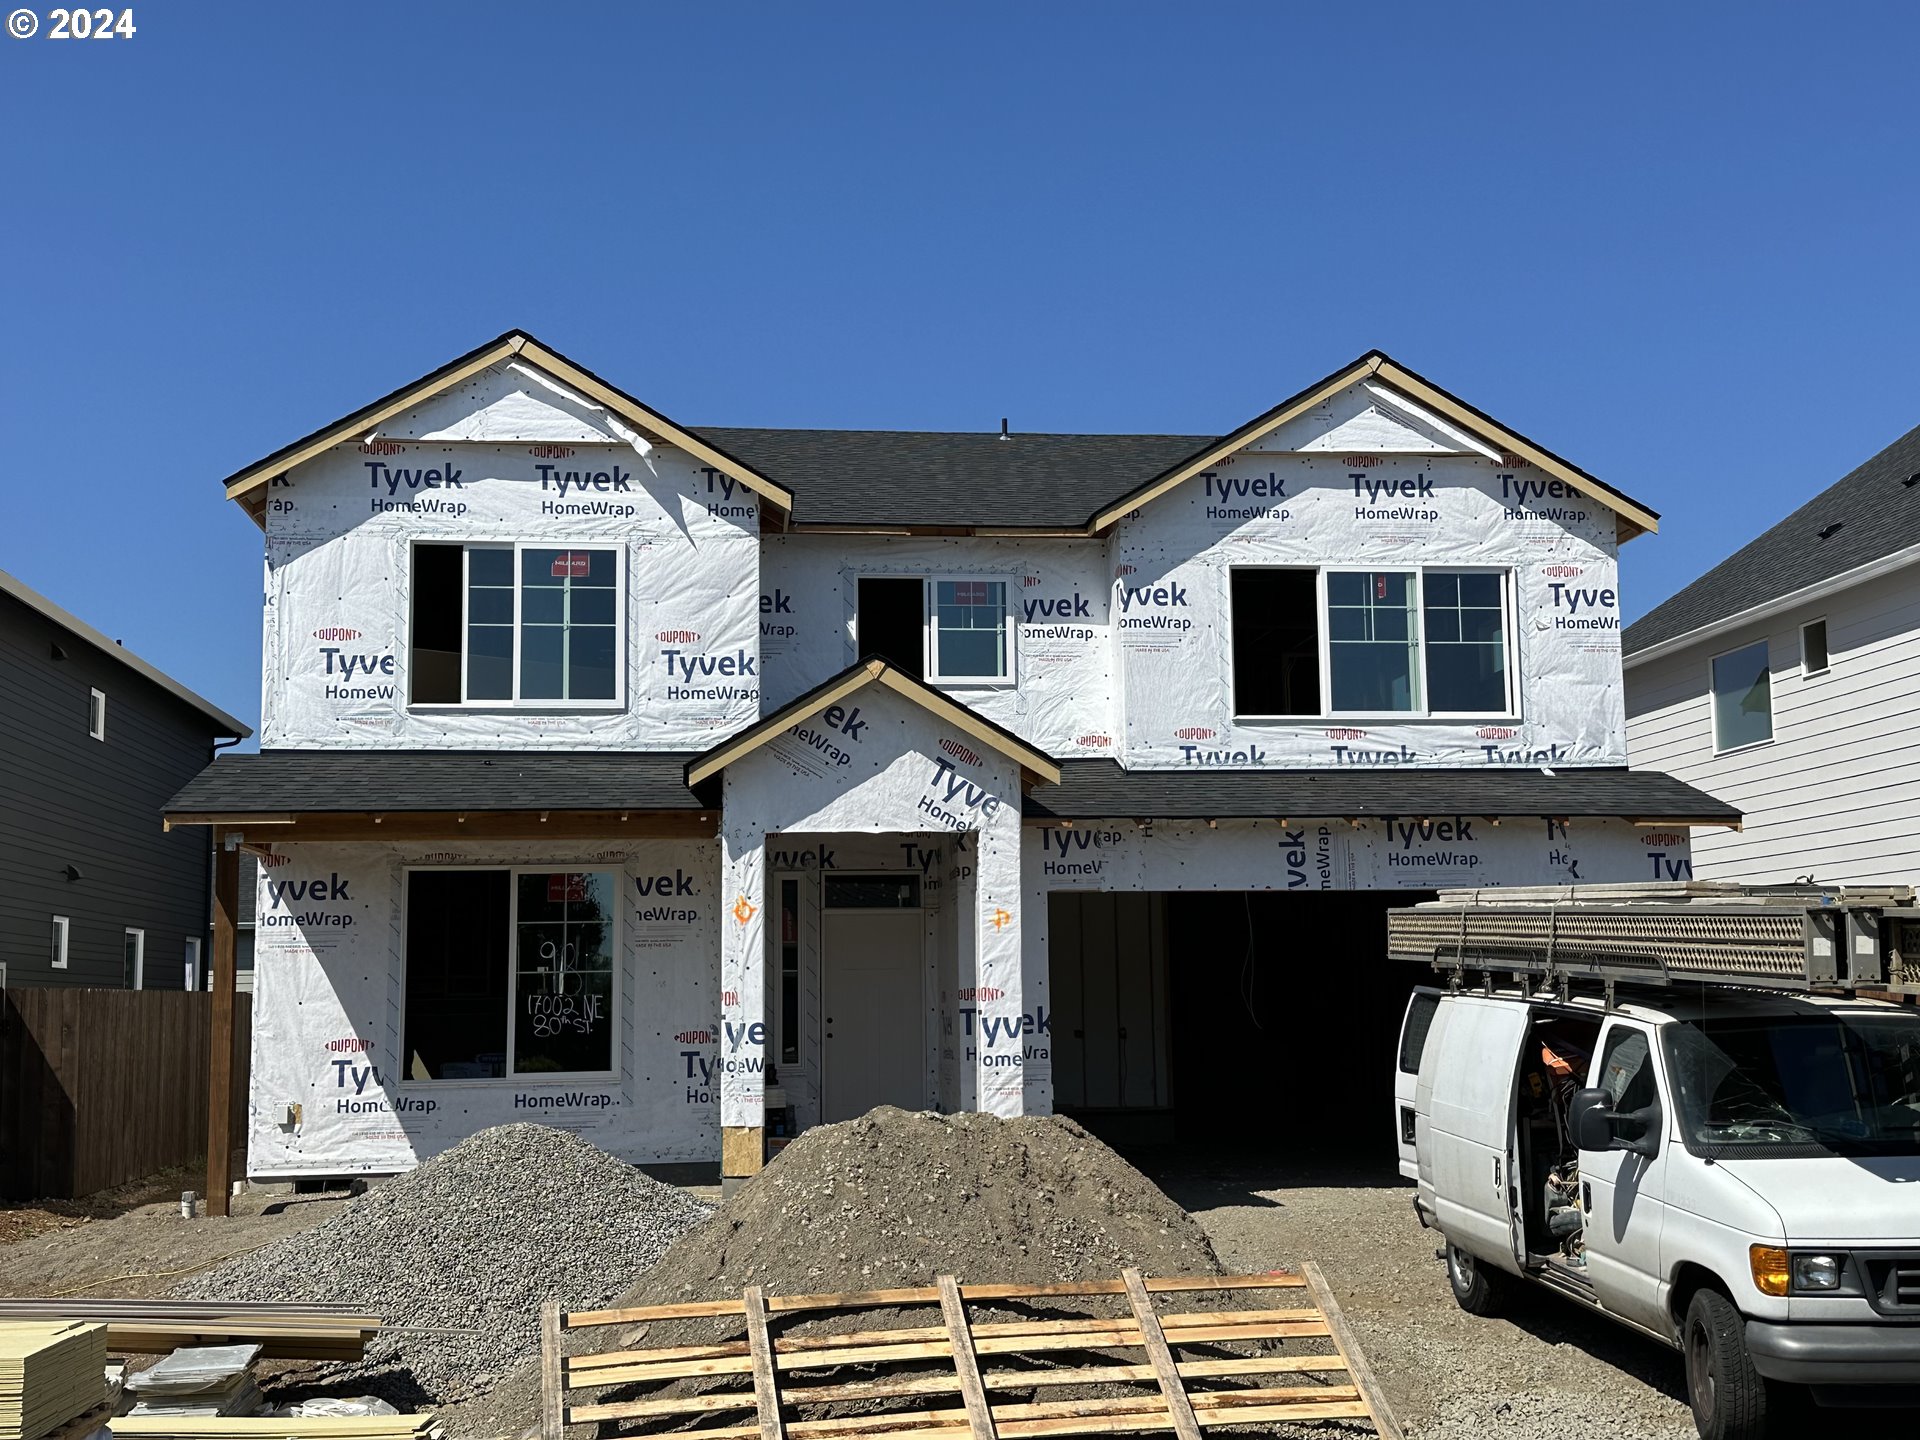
1836 795
68 799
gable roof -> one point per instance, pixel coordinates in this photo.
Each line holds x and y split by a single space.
874 671
1856 527
223 723
1632 517
249 485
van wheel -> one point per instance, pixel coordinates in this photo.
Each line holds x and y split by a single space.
1479 1290
1728 1397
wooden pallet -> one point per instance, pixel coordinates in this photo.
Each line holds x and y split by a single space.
1239 1355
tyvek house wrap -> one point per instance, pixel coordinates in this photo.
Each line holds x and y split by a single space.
330 1000
339 572
877 763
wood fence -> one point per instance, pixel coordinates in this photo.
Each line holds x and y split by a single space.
99 1087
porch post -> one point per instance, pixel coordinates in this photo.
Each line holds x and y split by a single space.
1005 1030
226 901
743 1026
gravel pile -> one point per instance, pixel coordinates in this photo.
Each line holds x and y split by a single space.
473 1240
895 1199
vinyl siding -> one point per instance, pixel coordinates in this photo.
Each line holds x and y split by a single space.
1836 795
68 799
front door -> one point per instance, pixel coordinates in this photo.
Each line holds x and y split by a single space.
875 1011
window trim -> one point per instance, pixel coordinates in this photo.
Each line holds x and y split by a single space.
62 934
190 976
930 628
139 976
1713 701
96 719
1826 644
622 640
614 1015
1510 637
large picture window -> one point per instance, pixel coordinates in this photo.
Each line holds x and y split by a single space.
510 973
1420 642
516 625
1742 698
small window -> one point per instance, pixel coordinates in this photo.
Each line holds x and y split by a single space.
1465 613
1813 648
190 969
970 639
97 714
133 956
58 957
515 625
509 973
891 622
872 892
1373 641
1421 1009
1276 642
1742 698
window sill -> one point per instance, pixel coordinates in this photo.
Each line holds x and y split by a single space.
525 707
1396 717
942 682
1750 745
545 1077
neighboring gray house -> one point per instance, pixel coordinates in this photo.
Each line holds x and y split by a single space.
1786 681
93 741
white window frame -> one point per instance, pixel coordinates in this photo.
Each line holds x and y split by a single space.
139 976
191 978
1713 700
931 639
1826 644
1509 628
62 929
622 639
97 714
614 1017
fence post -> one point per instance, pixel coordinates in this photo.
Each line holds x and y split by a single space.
226 898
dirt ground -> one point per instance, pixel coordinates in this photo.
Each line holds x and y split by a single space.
1547 1370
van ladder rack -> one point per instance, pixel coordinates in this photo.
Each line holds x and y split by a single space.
1788 937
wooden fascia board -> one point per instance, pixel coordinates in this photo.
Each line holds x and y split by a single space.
326 827
1238 440
639 414
1411 385
259 475
752 738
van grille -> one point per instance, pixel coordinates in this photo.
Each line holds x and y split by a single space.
1894 1283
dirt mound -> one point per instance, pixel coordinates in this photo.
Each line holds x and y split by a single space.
895 1199
458 1254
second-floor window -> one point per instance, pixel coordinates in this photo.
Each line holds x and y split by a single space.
947 630
1423 642
500 624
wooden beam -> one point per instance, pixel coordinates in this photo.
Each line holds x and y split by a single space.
553 1420
226 913
1344 1340
965 1363
766 1389
1172 1389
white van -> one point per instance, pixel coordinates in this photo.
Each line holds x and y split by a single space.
1733 1173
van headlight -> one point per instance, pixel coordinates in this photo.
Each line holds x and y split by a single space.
1815 1273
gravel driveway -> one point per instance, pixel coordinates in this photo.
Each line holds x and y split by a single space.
1548 1370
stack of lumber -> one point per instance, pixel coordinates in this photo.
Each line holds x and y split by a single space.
284 1331
1140 1369
50 1371
343 1427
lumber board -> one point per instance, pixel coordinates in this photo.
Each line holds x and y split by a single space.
927 1295
766 1389
1172 1389
966 1364
1348 1344
553 1420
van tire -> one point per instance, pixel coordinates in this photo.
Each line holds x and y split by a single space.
1727 1395
1479 1289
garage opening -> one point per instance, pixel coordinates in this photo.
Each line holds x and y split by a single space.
1265 1021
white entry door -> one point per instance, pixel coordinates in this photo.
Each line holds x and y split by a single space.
875 1011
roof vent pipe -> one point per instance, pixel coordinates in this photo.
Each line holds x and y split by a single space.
1003 427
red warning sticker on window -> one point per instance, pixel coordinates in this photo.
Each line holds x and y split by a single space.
570 565
566 889
970 592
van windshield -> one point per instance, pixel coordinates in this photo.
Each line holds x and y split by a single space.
1841 1084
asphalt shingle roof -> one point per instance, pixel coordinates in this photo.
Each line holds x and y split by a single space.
912 477
339 781
1100 789
1876 509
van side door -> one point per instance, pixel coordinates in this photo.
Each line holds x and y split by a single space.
1474 1068
1414 1026
1622 1193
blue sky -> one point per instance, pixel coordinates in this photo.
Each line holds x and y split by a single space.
1673 243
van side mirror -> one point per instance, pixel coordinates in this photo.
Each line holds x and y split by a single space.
1596 1126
